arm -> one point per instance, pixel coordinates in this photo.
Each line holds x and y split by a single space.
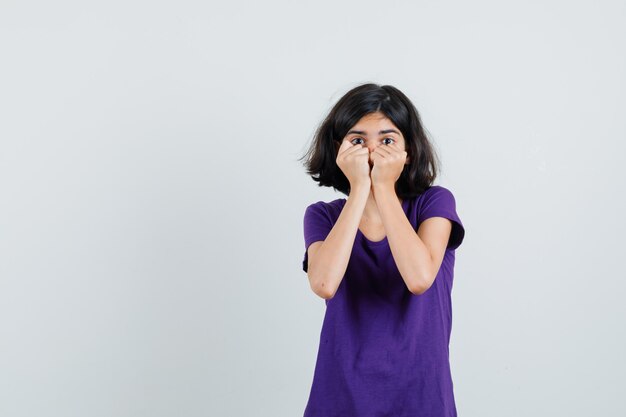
418 256
328 259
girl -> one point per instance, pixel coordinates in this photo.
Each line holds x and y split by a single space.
383 260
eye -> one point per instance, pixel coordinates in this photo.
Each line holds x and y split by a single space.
352 141
390 139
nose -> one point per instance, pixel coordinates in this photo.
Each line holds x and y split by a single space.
371 149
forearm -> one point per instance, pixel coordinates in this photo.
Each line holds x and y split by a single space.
333 255
410 254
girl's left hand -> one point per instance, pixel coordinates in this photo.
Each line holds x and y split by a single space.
389 161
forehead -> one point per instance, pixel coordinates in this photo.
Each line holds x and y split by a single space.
374 124
375 118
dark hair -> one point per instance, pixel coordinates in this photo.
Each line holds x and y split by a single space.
321 162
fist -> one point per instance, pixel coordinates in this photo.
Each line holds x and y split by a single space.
354 162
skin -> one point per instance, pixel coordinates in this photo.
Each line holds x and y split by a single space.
373 162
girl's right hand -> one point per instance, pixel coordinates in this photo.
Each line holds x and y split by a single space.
353 160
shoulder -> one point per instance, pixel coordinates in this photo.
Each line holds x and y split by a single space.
437 194
330 209
437 190
327 205
439 201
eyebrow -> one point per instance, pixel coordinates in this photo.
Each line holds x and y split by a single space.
382 132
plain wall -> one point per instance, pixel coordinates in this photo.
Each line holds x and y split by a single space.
151 200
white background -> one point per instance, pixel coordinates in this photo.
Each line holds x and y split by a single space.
151 199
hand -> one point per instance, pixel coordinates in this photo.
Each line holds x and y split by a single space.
388 163
353 162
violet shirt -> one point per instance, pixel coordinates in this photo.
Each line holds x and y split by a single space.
383 351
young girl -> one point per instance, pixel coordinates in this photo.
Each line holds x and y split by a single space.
383 260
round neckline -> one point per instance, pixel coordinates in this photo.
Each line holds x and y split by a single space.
384 241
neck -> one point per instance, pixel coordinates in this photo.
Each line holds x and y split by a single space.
371 212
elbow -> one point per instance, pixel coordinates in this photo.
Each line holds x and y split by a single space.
321 289
420 286
324 292
326 295
417 289
423 282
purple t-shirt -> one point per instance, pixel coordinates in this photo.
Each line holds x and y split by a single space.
383 351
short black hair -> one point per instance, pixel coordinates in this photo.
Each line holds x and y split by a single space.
321 158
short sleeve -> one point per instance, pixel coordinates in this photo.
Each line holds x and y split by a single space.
317 225
440 202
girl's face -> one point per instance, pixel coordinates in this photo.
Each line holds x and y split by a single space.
374 130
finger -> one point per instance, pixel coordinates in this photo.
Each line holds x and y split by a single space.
397 148
356 150
346 148
384 150
345 144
